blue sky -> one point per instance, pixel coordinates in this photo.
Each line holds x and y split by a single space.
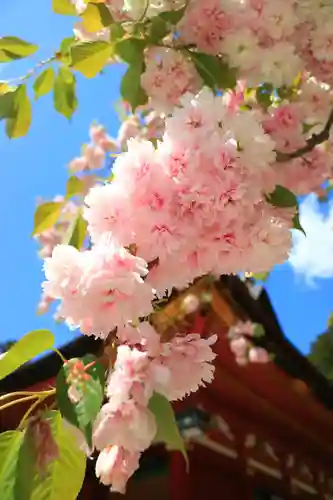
36 166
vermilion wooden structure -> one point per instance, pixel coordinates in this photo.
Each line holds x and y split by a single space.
257 432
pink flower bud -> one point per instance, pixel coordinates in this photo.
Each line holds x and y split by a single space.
115 466
258 355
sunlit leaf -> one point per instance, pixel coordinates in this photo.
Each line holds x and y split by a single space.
65 474
64 7
78 233
46 216
96 17
18 124
64 95
28 347
44 83
12 48
167 429
7 104
74 186
16 466
90 58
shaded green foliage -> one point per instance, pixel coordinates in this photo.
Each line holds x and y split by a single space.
321 353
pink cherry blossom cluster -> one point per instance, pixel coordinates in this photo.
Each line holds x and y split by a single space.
241 345
125 426
196 202
94 154
167 77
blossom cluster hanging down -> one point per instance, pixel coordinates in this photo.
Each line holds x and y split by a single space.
195 205
226 103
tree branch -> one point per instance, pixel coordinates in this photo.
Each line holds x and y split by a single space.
311 143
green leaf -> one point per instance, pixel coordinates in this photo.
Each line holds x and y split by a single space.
64 7
167 429
74 186
64 95
158 29
12 48
282 197
78 233
16 466
330 321
297 224
83 413
65 475
130 88
44 83
27 348
7 104
116 32
90 58
46 216
260 276
264 95
19 122
259 330
215 73
66 44
131 50
96 17
173 16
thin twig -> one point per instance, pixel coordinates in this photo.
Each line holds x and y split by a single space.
311 143
31 72
17 401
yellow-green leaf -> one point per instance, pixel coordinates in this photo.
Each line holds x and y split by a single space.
64 7
65 474
12 47
16 466
7 104
44 83
4 88
64 95
27 348
167 429
78 233
19 123
90 58
74 186
46 216
96 17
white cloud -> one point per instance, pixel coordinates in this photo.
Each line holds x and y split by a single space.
312 255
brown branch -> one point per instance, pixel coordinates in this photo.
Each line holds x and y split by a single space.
311 143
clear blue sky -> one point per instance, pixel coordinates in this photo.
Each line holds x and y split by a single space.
36 165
